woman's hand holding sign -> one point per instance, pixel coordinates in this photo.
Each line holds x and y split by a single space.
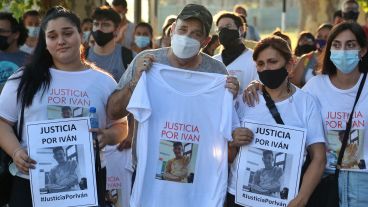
22 160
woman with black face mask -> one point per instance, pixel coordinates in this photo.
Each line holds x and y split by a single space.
291 107
306 44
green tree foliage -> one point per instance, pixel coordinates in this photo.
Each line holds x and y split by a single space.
17 7
364 5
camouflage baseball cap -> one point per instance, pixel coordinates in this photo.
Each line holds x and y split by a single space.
199 12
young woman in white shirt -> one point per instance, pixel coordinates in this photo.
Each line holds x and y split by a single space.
344 63
56 67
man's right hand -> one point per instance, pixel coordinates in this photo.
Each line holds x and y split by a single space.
143 63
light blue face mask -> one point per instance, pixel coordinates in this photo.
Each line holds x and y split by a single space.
86 35
142 41
345 60
33 31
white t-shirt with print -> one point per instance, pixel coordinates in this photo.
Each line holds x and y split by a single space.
300 110
243 67
119 171
78 90
194 110
336 105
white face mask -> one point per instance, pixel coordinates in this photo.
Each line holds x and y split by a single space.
184 47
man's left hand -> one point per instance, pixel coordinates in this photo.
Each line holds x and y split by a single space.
101 136
232 84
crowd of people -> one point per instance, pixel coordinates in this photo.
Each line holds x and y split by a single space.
134 81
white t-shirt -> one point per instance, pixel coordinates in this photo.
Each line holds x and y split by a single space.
336 106
243 67
194 110
27 49
119 173
300 110
77 90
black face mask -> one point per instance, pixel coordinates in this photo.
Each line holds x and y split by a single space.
350 15
229 37
102 38
273 78
304 49
4 42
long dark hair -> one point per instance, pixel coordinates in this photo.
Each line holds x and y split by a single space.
36 74
328 67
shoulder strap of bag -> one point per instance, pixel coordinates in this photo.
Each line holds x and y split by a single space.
272 107
126 56
348 127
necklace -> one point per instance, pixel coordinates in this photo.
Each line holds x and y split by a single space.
288 95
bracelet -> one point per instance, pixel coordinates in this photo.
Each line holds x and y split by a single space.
16 150
131 85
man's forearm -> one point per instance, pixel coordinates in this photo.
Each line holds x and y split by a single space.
116 133
117 103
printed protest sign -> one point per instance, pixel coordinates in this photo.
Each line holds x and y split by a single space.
269 168
65 173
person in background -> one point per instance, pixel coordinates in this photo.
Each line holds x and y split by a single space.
236 57
306 43
322 34
365 26
31 20
251 33
113 58
337 17
251 44
284 36
56 64
106 53
12 35
165 39
91 41
86 29
307 65
125 34
350 10
212 45
143 35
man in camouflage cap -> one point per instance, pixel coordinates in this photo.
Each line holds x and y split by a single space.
190 33
198 12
